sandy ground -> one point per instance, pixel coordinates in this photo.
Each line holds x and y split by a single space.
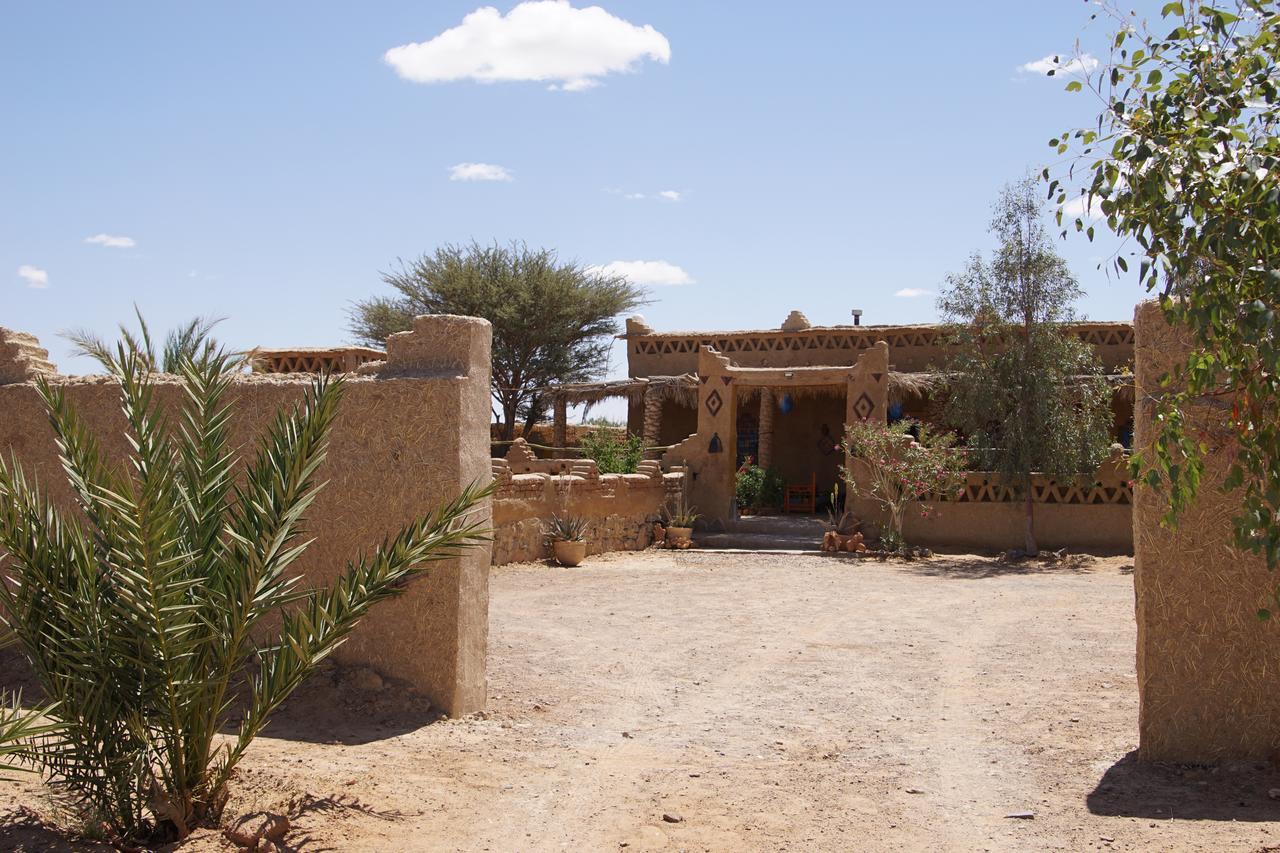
759 702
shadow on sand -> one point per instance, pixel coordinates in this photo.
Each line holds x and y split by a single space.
329 709
333 706
1131 788
978 568
22 830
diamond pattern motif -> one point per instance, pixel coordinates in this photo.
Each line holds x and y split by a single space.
863 406
715 402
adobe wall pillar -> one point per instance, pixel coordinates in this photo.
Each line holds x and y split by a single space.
866 399
436 634
767 411
1208 684
652 421
712 477
22 358
560 427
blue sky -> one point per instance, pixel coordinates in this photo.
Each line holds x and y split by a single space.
264 161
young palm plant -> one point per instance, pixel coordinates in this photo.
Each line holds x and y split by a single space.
143 612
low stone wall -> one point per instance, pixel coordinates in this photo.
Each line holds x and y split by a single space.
620 508
411 432
1208 680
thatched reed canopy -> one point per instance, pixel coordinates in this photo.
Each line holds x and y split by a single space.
918 387
682 389
747 393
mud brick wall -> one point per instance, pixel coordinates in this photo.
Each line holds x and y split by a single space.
620 508
1208 670
411 432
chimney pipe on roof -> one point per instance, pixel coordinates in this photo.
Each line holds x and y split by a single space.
857 316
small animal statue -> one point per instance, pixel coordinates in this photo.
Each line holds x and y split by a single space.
659 535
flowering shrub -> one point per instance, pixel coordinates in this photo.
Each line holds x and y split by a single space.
895 469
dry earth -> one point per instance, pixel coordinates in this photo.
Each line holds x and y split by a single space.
760 702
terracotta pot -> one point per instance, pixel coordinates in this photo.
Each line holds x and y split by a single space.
675 534
569 553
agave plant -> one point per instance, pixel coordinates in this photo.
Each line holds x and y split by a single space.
680 514
566 528
143 611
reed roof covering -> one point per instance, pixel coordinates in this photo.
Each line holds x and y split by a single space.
682 389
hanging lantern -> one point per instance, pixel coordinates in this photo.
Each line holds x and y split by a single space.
786 404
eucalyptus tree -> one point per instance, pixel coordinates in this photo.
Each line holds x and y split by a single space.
1029 395
1184 162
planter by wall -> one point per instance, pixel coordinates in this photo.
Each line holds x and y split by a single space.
569 553
676 533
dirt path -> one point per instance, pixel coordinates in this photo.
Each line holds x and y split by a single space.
769 703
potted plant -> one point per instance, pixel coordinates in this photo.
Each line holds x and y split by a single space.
680 521
568 535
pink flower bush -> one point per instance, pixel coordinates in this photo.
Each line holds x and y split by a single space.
895 469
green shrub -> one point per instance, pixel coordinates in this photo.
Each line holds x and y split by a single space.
140 611
758 487
613 454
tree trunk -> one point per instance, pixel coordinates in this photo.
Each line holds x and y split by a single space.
1030 547
508 418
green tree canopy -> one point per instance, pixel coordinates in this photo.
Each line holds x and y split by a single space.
1184 162
1030 396
553 321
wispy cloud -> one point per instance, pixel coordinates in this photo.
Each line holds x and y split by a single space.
1082 64
912 293
546 41
1081 208
479 172
658 273
34 276
111 241
663 195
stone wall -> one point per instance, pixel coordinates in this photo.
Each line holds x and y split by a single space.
410 433
1208 679
620 508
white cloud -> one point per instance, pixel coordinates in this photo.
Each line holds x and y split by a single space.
1080 208
34 276
541 40
912 293
670 195
634 196
659 273
1082 64
111 241
479 172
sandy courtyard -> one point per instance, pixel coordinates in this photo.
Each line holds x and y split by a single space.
701 701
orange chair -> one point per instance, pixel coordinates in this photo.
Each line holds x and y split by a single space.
801 498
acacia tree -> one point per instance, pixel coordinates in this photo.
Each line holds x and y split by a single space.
1184 162
553 321
1030 396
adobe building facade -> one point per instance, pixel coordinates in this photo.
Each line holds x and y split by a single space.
788 393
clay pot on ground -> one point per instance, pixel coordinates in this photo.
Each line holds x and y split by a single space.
675 534
569 553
